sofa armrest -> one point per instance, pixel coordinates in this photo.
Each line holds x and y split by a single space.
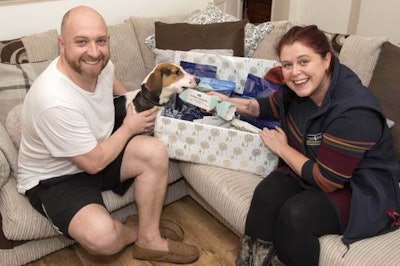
8 156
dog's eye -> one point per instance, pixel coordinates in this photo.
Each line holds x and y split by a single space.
178 72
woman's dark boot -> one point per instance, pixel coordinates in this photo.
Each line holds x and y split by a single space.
254 252
245 251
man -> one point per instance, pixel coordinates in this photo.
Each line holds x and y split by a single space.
68 153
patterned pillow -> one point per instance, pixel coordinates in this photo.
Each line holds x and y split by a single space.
337 41
15 82
254 34
13 52
211 14
30 49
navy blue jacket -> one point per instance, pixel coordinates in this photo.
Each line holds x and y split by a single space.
374 181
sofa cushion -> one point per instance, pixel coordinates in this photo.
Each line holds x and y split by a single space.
30 49
126 55
266 48
378 250
13 125
144 27
14 83
8 156
254 34
385 85
22 222
210 14
228 192
4 169
184 36
42 46
360 54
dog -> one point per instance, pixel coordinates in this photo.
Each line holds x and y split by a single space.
165 80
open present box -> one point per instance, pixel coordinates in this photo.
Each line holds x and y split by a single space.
212 145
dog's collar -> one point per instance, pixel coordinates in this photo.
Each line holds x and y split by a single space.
149 96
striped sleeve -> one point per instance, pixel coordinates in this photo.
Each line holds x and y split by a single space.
342 147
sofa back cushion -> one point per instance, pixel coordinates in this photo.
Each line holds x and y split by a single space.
360 54
41 46
15 82
185 36
385 85
144 27
126 55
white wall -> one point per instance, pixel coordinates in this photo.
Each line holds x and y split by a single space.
25 19
323 13
361 17
380 18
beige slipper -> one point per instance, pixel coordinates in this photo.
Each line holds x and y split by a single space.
168 228
178 252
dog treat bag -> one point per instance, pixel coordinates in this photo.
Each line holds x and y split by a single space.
256 87
199 70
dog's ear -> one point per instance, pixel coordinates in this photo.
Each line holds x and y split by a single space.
154 82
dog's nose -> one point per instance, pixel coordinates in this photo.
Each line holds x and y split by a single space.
197 80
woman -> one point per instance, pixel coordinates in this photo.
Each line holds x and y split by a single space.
340 173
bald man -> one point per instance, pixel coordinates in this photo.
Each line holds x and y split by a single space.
69 155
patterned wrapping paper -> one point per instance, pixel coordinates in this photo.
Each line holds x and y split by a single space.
218 146
230 68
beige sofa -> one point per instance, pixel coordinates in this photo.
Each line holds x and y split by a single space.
27 236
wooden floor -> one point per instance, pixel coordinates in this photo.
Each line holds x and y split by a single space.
217 244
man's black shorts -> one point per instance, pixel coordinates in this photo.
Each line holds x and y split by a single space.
60 198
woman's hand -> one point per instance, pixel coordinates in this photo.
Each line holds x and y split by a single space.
275 139
221 96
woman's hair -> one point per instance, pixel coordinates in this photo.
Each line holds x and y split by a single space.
309 36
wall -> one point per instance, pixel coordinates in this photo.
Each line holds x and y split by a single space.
361 17
25 19
380 18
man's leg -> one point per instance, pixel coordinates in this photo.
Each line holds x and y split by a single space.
98 232
146 159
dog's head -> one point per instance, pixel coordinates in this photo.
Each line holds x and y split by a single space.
167 79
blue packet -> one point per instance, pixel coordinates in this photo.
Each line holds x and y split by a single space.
199 70
256 87
219 85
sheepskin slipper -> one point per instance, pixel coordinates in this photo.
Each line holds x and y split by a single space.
168 229
178 253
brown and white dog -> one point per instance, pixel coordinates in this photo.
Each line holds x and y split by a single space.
161 83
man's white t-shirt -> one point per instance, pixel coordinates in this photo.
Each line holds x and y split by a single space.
60 120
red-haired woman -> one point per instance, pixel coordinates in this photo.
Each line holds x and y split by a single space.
340 174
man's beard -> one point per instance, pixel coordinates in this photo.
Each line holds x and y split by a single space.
92 73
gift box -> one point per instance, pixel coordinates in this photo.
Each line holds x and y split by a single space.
212 145
232 68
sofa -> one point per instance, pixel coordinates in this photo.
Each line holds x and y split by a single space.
26 236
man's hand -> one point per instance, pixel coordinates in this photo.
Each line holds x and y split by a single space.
142 122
